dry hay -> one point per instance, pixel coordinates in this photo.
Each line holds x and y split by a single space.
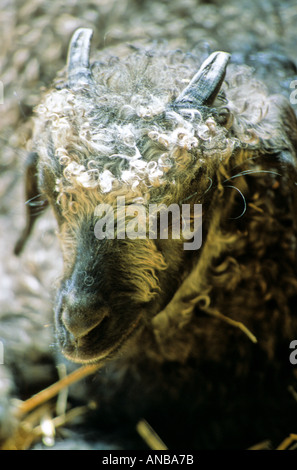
38 423
39 418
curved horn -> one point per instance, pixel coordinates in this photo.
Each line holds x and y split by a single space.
205 85
78 67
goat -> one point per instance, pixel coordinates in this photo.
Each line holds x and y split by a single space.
195 341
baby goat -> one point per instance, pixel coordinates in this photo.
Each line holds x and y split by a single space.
195 340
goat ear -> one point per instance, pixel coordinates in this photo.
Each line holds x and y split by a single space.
281 116
35 202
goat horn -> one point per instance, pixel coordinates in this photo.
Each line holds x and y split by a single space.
205 85
78 66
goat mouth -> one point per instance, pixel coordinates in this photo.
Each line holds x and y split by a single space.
101 343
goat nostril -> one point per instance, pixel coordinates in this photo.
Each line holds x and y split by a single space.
79 323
